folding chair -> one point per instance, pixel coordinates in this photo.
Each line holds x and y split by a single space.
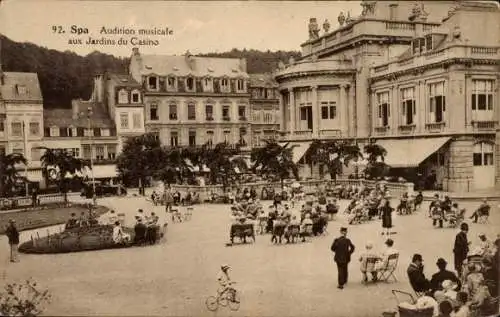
369 267
388 271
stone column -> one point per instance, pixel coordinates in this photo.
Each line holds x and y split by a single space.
344 125
291 110
351 113
420 102
395 106
315 112
282 105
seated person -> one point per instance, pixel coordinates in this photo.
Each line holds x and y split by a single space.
443 275
474 280
486 246
483 210
307 222
383 264
447 293
332 207
415 272
445 309
490 275
365 268
462 307
120 237
72 222
112 218
419 199
481 295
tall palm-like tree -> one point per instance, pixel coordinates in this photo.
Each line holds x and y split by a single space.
219 160
64 165
8 172
333 154
376 167
274 159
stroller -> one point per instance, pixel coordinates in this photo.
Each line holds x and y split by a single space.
407 312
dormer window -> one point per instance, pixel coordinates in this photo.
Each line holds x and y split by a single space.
136 96
54 131
240 85
428 42
224 84
190 84
418 45
122 96
21 90
208 84
171 83
153 83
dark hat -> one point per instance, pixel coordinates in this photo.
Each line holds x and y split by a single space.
389 242
441 261
343 229
417 257
464 226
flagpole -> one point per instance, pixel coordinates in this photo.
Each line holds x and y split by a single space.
25 138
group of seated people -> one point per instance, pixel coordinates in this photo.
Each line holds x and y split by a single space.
374 264
365 207
444 209
146 228
83 221
188 199
476 290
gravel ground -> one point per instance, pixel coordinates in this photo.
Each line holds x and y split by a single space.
175 277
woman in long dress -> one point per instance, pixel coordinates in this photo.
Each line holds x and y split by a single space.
386 217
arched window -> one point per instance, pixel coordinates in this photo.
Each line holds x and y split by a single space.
122 96
483 154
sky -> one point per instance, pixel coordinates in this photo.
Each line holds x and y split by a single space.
200 27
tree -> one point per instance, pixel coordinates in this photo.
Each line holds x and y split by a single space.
173 167
274 159
8 172
333 154
140 159
65 164
376 167
219 159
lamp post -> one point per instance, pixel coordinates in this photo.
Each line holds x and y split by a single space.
89 115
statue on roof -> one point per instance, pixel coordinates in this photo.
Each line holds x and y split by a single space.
313 29
418 11
291 60
348 19
326 26
368 7
281 65
341 18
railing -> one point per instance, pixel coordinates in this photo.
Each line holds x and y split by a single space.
11 203
435 126
381 130
330 133
346 31
484 125
484 50
305 134
407 128
399 26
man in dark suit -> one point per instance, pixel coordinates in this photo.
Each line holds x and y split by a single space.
461 248
443 275
343 248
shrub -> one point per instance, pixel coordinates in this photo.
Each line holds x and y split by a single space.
23 299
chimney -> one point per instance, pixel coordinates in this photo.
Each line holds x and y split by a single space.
98 94
189 59
74 107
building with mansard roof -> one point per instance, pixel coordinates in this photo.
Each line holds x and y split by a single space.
191 100
420 78
264 108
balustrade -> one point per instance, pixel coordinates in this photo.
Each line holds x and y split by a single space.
435 126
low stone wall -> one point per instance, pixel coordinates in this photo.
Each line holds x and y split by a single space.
309 186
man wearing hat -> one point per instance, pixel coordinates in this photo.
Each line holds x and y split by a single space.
442 275
13 236
343 248
461 247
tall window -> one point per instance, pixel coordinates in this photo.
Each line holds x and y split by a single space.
437 102
240 85
242 112
17 128
428 42
192 138
210 137
136 97
224 85
209 112
34 128
383 109
225 113
256 116
2 123
171 83
393 11
122 96
408 109
124 120
63 132
191 111
97 131
111 151
303 99
99 152
136 120
482 99
153 112
208 84
328 110
268 117
483 154
172 112
190 84
418 45
243 133
153 83
174 138
227 136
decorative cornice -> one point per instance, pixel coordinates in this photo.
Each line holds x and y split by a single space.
316 73
469 62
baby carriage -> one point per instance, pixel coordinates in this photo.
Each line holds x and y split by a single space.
410 310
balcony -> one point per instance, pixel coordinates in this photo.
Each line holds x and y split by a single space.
382 130
329 133
489 125
302 135
435 127
407 129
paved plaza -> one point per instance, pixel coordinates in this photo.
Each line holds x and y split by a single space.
175 277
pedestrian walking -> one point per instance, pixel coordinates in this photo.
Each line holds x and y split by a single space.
343 248
13 236
169 199
461 248
386 211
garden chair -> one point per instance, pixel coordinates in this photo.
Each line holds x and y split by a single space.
369 267
387 271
